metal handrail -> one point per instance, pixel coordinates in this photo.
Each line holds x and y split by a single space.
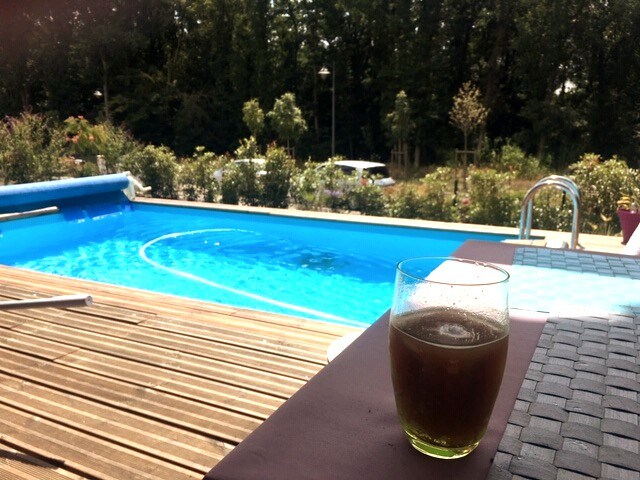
551 179
557 181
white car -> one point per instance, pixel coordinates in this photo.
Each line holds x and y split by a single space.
257 163
372 170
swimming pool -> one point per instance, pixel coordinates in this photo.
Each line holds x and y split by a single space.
337 271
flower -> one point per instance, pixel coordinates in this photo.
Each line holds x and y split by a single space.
627 203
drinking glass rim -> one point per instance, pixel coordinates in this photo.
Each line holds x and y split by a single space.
480 263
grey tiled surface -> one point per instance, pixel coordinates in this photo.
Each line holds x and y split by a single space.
576 282
571 260
577 413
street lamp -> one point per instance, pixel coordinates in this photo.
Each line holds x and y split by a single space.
324 73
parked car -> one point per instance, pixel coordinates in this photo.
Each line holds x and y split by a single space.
257 163
375 172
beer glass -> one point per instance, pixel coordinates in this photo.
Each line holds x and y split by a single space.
448 338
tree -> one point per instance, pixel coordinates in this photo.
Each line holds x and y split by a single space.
286 119
468 115
400 125
253 116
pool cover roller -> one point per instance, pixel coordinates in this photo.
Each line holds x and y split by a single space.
61 193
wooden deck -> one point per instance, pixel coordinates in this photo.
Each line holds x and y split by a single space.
139 385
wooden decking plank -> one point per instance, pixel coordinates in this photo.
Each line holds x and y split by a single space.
273 343
154 438
83 452
19 465
158 303
237 351
141 385
192 415
9 323
207 391
38 347
98 309
261 380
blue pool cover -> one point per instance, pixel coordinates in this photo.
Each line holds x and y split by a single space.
60 193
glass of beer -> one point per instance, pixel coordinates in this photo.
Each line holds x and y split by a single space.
448 338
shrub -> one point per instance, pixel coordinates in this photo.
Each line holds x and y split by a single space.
490 202
196 176
277 180
405 202
367 199
229 185
88 142
156 167
305 187
512 159
248 148
437 201
552 210
333 186
601 185
116 144
31 149
240 184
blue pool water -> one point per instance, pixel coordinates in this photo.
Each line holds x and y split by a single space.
318 269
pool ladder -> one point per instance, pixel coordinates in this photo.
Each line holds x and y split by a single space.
556 181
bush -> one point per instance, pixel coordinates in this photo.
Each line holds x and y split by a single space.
437 201
405 202
331 185
88 142
305 187
248 148
31 149
240 184
116 144
229 185
602 184
196 176
552 210
277 180
367 199
512 159
490 203
157 167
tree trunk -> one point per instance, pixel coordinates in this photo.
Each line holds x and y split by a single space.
105 87
495 63
464 160
405 154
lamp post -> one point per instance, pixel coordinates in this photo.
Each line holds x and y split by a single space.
324 73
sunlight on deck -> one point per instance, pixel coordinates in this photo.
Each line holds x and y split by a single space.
140 385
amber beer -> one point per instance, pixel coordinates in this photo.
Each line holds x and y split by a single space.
448 348
446 384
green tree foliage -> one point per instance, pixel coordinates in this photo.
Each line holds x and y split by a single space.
276 182
468 114
490 202
157 167
286 119
400 124
32 149
559 78
602 183
196 176
253 116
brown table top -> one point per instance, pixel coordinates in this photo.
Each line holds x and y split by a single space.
576 414
343 423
